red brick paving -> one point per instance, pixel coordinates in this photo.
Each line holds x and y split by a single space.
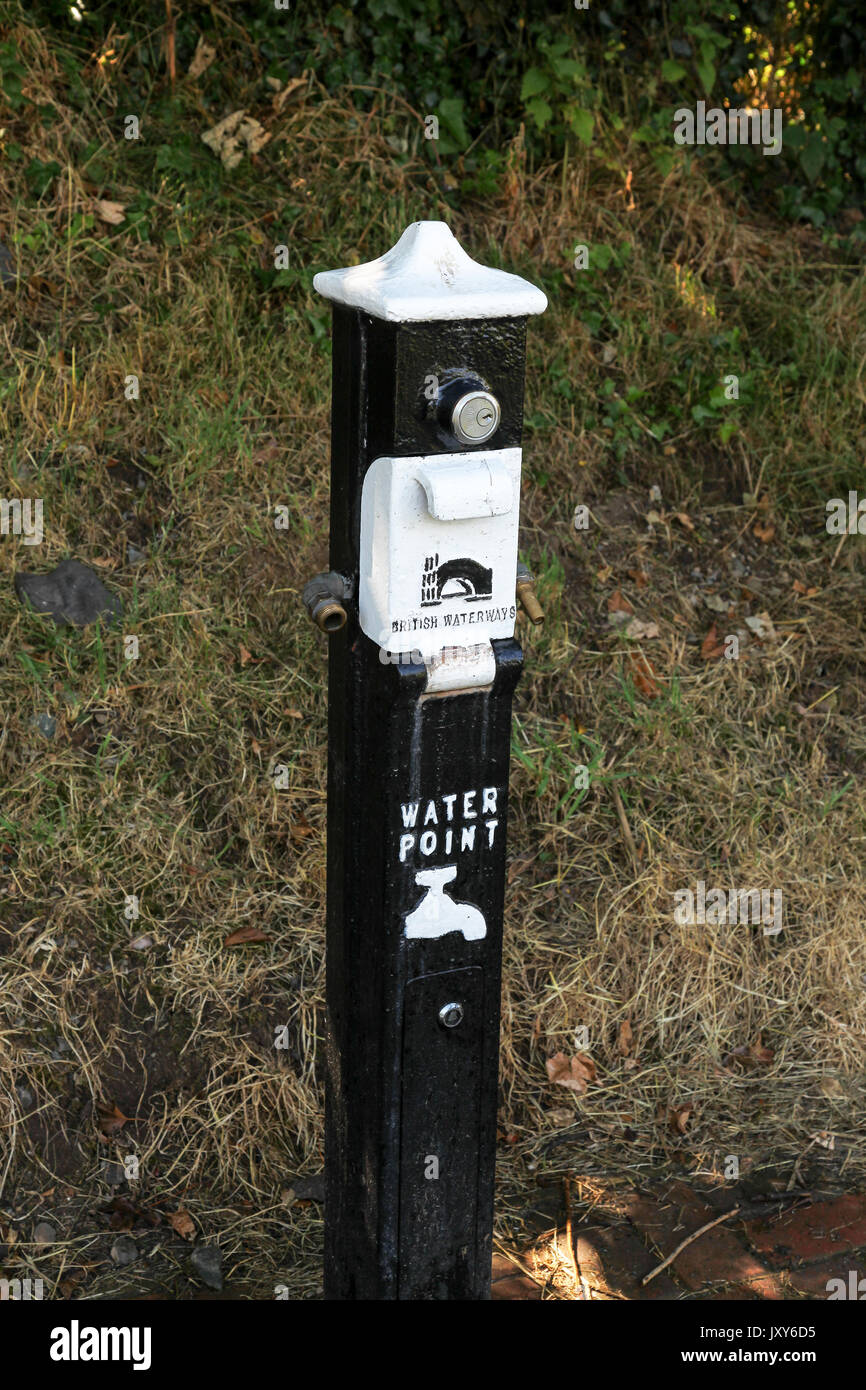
791 1256
616 1259
813 1232
519 1287
812 1280
509 1282
716 1257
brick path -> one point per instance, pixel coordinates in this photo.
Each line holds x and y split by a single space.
785 1248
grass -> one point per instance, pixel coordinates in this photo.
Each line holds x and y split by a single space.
159 780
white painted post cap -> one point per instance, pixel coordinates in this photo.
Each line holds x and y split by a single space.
428 276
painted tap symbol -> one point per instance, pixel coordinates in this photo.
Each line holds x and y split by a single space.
436 914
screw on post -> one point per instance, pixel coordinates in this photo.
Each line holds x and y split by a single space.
420 604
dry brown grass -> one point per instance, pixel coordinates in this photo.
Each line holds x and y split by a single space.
157 781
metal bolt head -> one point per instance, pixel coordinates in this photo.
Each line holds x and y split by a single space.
475 417
450 1015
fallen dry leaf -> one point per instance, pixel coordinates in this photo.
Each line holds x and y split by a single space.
625 1038
643 676
201 59
245 935
761 624
234 136
281 97
110 1119
38 284
123 1213
267 451
109 212
685 520
759 1053
572 1072
764 533
639 630
561 1116
618 604
679 1116
752 1054
712 647
301 828
832 1086
181 1222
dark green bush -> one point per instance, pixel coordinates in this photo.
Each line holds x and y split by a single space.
565 74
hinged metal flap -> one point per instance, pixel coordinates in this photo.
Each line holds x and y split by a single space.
466 486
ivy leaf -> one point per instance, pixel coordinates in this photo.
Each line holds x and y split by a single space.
707 74
568 67
812 157
582 122
664 160
540 111
534 81
672 71
451 113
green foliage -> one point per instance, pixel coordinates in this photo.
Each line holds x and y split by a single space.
11 73
564 75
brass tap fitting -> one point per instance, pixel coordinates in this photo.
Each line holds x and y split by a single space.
323 597
526 595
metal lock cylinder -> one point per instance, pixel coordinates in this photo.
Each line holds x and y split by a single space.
468 411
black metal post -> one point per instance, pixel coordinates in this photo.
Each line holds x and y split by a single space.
427 413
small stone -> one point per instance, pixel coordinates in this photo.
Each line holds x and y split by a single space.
46 725
141 943
44 1233
134 556
716 603
113 1174
25 1097
207 1261
310 1189
71 594
124 1251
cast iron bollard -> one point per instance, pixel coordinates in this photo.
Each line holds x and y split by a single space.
427 415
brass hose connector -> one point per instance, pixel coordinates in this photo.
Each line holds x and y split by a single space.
526 595
323 597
